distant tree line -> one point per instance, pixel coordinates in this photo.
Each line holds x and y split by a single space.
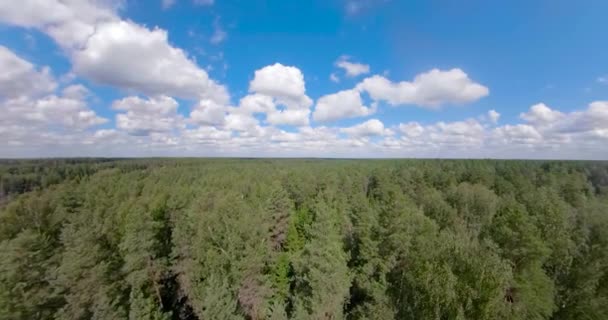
303 239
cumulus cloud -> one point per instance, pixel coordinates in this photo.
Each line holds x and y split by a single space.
291 114
116 52
579 134
411 129
280 81
277 93
520 134
372 127
208 112
42 116
145 116
493 116
277 86
126 55
442 139
469 132
546 133
257 103
351 69
32 112
49 111
292 117
207 135
243 123
76 91
28 123
456 136
20 78
343 104
430 89
490 118
591 121
69 22
540 114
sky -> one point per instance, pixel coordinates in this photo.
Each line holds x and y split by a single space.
326 78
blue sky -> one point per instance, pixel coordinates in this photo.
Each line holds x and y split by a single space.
517 79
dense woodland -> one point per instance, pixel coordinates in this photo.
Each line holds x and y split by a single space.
303 239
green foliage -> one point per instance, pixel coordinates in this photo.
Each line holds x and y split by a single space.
280 278
25 272
475 204
322 278
164 239
298 232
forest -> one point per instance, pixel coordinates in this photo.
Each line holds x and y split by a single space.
303 239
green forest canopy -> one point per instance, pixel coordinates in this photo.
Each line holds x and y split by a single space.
303 239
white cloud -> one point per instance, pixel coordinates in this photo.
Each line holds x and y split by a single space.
459 128
208 112
517 134
541 115
292 117
547 130
42 116
242 123
34 126
411 129
547 133
343 104
105 134
129 56
257 103
578 134
76 91
207 135
592 120
284 86
20 78
143 117
291 113
431 140
115 52
69 22
48 111
431 89
277 92
493 116
372 127
352 69
602 79
280 81
490 118
31 112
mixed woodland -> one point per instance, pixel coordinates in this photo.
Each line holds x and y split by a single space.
303 239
